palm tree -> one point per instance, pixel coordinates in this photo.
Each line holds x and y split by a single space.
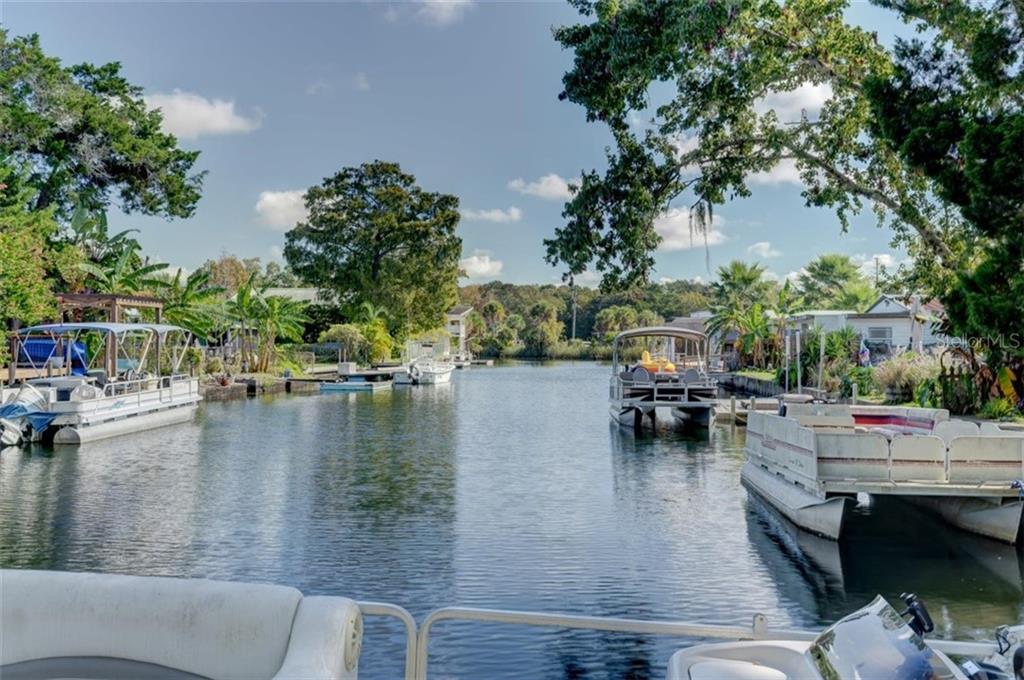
194 304
755 331
277 317
740 282
126 275
788 301
244 308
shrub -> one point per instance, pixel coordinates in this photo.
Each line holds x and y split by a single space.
900 376
999 408
214 365
861 376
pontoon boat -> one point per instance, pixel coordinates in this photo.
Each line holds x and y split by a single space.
86 381
670 373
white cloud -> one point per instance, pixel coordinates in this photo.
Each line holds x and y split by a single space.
281 209
684 144
319 86
676 234
276 252
784 172
763 249
588 278
513 214
791 105
551 187
189 115
391 14
793 277
886 261
361 82
442 12
480 265
666 279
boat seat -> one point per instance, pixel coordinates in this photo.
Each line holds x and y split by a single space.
817 422
640 374
171 629
948 430
691 375
92 668
993 430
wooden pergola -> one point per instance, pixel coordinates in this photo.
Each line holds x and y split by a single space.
112 304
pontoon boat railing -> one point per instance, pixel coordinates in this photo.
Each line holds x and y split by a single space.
393 611
758 630
140 390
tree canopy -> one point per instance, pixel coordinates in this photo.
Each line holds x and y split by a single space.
373 235
86 134
953 108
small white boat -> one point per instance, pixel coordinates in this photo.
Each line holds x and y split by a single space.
80 395
355 384
670 375
430 371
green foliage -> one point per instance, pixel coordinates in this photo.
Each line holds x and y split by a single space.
126 275
861 376
714 131
374 236
349 338
379 342
25 292
833 281
193 303
87 134
999 408
952 110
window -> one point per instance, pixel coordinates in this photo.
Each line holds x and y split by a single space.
880 334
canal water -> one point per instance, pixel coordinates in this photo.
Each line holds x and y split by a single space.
507 488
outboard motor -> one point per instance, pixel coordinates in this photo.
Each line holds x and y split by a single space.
920 621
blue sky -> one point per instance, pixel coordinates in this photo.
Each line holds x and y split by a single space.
462 94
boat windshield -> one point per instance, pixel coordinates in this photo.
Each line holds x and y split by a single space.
875 642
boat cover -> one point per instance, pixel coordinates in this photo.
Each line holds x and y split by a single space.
40 420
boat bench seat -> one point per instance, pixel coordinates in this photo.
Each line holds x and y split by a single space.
110 626
833 422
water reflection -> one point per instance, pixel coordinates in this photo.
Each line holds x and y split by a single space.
507 489
970 584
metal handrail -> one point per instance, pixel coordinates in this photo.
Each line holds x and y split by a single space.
411 631
758 630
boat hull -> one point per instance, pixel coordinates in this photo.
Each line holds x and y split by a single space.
995 519
822 516
435 377
697 414
354 386
73 435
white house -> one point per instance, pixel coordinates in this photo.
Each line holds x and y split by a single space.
458 327
885 326
891 323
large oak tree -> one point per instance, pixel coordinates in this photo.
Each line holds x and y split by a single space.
373 235
85 135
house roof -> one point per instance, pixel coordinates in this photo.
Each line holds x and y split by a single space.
295 294
460 310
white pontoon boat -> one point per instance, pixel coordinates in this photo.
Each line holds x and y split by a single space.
86 381
811 462
671 374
